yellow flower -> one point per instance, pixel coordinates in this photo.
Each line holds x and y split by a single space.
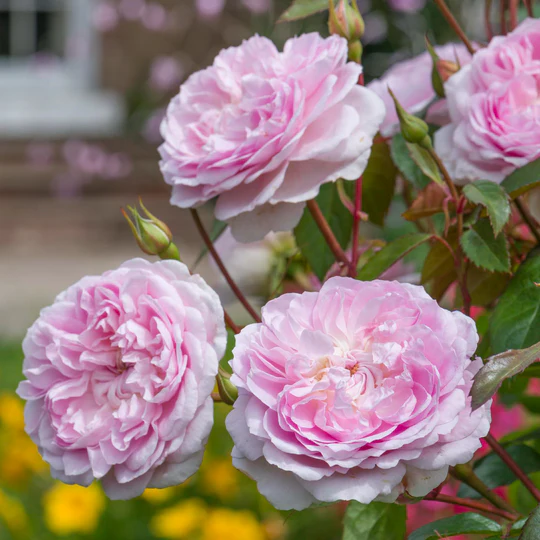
12 514
11 412
179 521
19 458
223 524
220 478
73 509
158 496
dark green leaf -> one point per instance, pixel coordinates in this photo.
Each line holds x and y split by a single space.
439 266
407 167
390 254
466 523
494 472
426 163
300 9
531 531
484 287
378 184
522 180
484 250
309 238
515 323
498 368
375 520
522 435
494 198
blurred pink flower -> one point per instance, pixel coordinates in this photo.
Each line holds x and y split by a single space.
262 130
105 16
357 392
40 154
209 8
132 10
154 16
166 72
257 6
410 81
151 130
409 6
119 374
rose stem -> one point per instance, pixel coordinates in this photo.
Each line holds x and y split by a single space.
527 218
513 466
514 4
454 24
503 17
487 17
230 323
530 7
356 226
326 231
470 503
466 474
219 262
462 272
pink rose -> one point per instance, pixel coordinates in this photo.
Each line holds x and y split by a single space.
494 108
263 130
411 83
119 375
357 392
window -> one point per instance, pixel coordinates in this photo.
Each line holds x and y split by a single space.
49 62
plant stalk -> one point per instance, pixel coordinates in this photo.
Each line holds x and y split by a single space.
471 503
357 215
527 218
210 246
449 16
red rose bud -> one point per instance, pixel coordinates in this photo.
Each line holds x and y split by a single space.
152 235
413 129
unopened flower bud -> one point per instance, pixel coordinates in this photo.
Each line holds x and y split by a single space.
152 235
346 21
446 69
436 80
227 391
413 129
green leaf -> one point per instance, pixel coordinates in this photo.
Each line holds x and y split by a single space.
484 250
439 267
378 184
390 254
466 523
531 531
426 163
494 472
498 368
494 198
523 179
403 161
309 239
375 520
484 287
300 9
515 323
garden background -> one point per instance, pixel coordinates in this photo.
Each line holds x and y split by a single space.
83 86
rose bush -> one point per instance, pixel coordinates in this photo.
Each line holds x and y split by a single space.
263 130
493 104
119 375
357 392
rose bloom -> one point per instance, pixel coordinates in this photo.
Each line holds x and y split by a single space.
410 81
119 375
262 130
494 108
357 392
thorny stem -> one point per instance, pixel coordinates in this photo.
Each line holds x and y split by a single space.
448 15
527 218
326 231
514 4
466 474
487 17
513 466
471 503
356 226
210 246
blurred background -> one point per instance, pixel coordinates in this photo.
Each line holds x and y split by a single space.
83 88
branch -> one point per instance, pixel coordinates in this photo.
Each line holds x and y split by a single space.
454 24
357 215
527 218
210 246
470 503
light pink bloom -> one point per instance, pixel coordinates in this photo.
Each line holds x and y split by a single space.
119 375
410 81
209 8
408 6
263 130
494 105
357 392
